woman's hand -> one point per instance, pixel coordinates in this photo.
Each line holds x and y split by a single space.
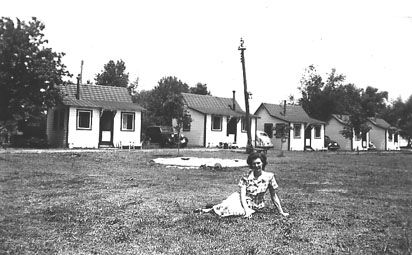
248 213
284 214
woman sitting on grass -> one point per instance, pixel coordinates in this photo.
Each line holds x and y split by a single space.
253 187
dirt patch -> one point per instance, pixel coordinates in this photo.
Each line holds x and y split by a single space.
194 162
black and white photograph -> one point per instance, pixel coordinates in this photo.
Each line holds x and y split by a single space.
206 127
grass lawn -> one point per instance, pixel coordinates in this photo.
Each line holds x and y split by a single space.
112 202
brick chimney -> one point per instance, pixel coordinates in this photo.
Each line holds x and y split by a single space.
78 88
234 101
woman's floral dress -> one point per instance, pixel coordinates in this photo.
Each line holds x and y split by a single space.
255 193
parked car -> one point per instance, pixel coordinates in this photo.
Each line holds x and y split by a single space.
331 144
372 146
165 136
263 140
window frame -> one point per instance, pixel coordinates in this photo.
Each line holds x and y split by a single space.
78 119
318 127
295 125
282 128
266 127
213 122
187 125
243 128
133 121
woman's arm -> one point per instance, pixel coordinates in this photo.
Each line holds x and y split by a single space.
248 211
276 201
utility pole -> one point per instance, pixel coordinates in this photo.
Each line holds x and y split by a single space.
249 146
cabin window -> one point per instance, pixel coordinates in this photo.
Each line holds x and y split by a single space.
268 128
243 124
297 130
358 136
84 119
186 122
395 138
317 131
390 137
127 121
364 136
216 123
281 130
21 127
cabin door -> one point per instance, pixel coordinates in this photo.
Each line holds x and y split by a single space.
364 140
308 136
106 128
232 128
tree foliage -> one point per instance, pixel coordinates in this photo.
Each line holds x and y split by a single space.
316 94
132 87
405 122
321 99
200 89
165 102
399 114
165 97
373 102
113 74
29 71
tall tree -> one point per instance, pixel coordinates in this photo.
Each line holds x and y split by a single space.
321 99
347 98
132 87
318 99
113 74
394 112
143 98
373 102
200 89
164 102
399 114
29 71
159 100
405 123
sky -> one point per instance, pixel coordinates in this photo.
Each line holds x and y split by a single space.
370 42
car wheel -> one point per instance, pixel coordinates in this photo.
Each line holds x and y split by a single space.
184 142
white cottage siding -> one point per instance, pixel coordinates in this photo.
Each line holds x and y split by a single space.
297 143
196 134
214 137
403 142
79 138
333 129
99 100
359 144
391 144
378 137
265 118
318 143
126 137
277 142
241 139
381 136
203 108
57 134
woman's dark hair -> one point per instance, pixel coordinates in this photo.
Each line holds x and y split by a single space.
254 155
